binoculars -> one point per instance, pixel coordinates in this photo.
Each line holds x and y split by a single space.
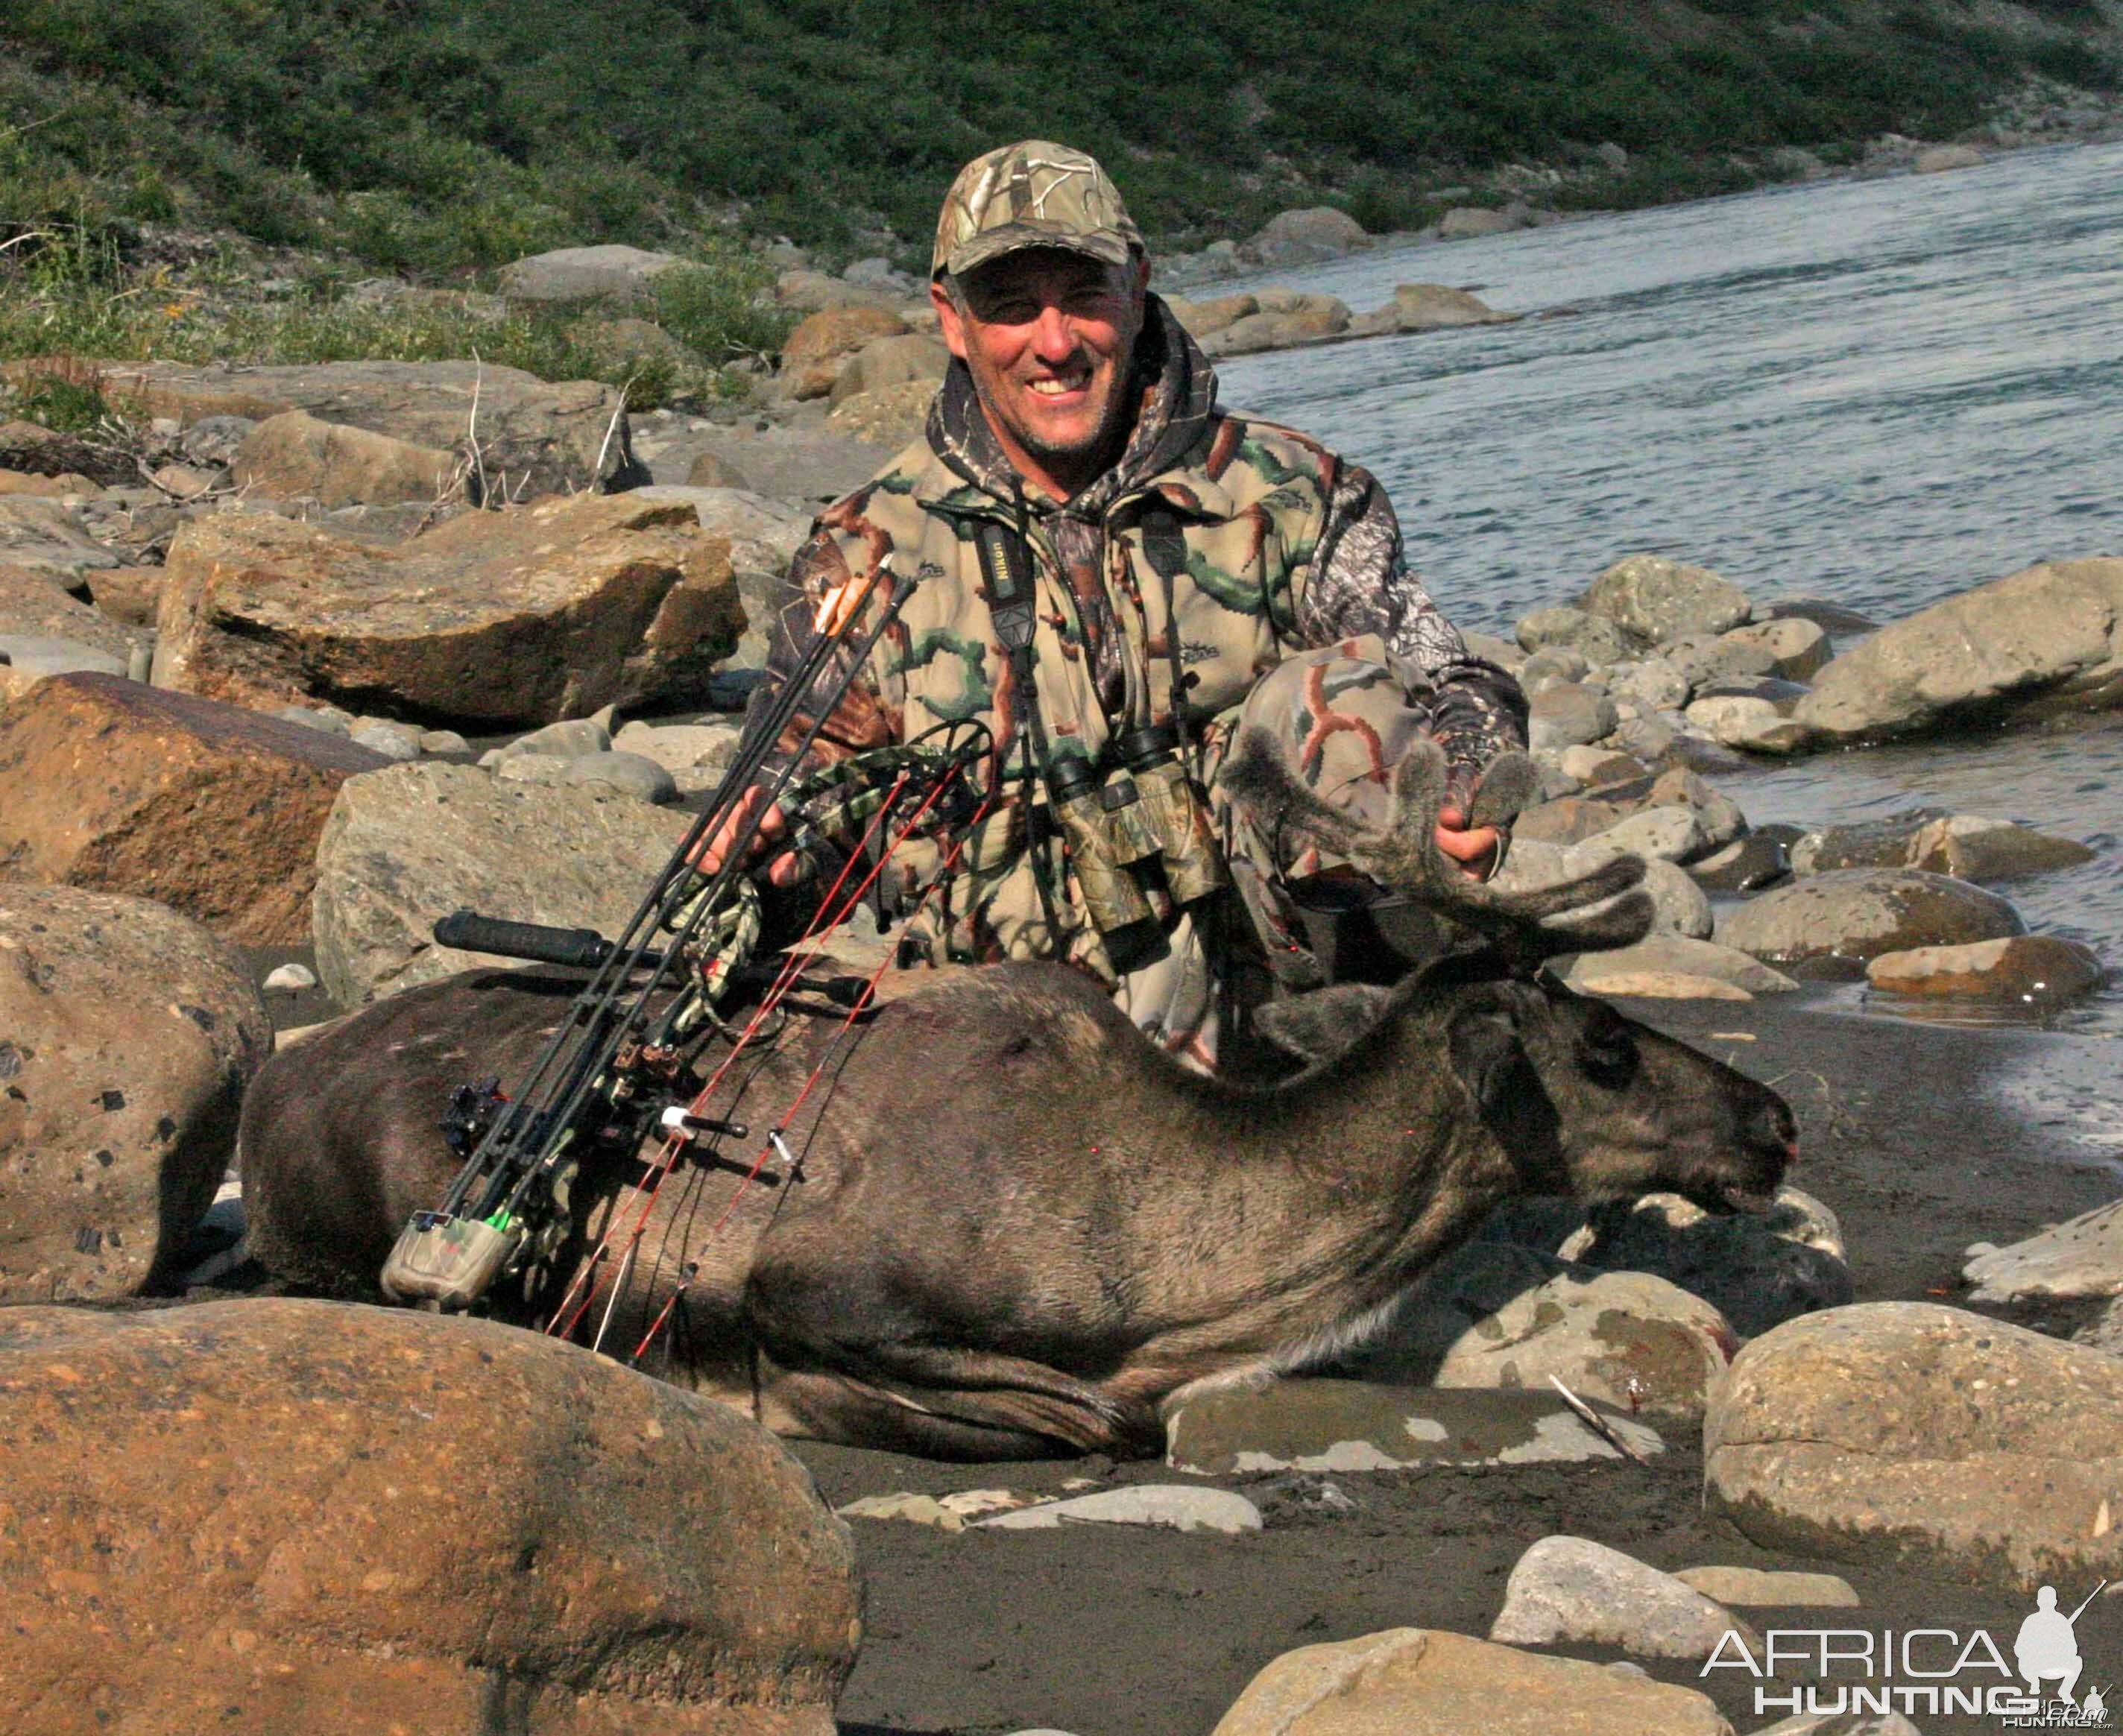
1147 815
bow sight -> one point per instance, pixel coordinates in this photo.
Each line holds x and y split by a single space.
616 1067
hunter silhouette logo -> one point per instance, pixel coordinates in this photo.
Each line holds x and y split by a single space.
1929 1670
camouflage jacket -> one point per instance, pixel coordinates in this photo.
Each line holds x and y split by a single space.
1272 543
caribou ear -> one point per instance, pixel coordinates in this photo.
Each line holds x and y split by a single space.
1487 1055
1319 1026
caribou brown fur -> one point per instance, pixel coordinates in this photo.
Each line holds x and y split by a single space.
1015 1226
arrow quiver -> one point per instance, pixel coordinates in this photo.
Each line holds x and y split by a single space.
615 1066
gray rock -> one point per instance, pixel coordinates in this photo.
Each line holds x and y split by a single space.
2081 1257
1973 847
1657 684
1345 1426
1757 1588
1758 1271
569 739
1566 714
1751 725
1493 1315
1568 1590
27 658
1798 649
1471 222
1598 639
1924 1439
1834 924
410 843
213 440
546 769
1655 599
1437 307
679 747
913 357
1593 972
630 773
1666 834
1747 864
48 535
1178 1507
1704 657
290 979
398 741
585 274
443 741
1298 237
1883 843
330 721
2043 639
1553 662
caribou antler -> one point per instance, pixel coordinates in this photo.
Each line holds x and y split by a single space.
1402 855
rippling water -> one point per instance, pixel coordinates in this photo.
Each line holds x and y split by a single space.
1880 392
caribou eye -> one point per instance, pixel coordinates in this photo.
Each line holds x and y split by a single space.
1605 1047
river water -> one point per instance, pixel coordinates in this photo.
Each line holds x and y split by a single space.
1879 394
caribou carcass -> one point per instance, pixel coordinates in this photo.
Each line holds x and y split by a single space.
1014 1226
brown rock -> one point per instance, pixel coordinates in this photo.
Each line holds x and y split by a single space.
1201 318
910 359
132 595
127 1034
295 1519
110 784
2031 969
521 616
295 457
543 436
892 415
812 358
28 482
1906 1432
1416 1682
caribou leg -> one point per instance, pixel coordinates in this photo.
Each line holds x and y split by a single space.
942 1401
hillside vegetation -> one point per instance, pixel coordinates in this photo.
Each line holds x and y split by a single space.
202 180
432 135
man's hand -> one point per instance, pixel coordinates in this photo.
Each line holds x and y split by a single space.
783 870
1475 850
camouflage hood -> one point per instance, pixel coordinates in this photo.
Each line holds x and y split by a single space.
1178 396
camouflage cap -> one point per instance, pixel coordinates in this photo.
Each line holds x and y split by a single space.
1032 193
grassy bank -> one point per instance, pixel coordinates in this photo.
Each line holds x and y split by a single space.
438 135
209 179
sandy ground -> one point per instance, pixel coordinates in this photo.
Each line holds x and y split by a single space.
1121 1631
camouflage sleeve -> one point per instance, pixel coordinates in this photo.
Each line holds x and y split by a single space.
1359 582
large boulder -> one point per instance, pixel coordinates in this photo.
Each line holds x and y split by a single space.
1415 1682
585 273
299 1518
913 358
534 437
1836 923
1495 1315
1298 237
1907 1434
127 1034
2050 637
814 353
1656 599
405 846
295 457
113 785
511 617
1438 308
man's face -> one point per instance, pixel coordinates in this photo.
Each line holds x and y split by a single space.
1047 336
